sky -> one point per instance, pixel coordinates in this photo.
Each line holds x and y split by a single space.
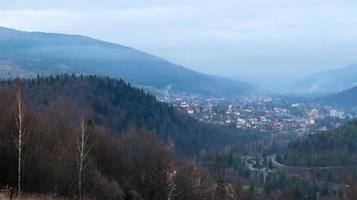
251 40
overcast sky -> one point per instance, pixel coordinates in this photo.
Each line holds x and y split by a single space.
234 38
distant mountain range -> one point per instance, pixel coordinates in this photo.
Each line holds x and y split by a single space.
328 82
31 53
346 99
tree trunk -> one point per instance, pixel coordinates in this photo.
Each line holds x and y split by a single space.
20 126
81 158
83 150
19 164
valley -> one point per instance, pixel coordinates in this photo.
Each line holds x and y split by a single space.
275 114
82 118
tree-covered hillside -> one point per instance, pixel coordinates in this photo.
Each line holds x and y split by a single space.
118 106
31 53
328 82
345 100
336 147
101 138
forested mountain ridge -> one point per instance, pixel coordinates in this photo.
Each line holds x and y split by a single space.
31 53
327 82
328 157
346 99
129 142
330 148
117 105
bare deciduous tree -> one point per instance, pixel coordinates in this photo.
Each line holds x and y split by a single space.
19 140
84 148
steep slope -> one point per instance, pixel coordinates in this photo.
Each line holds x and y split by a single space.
118 106
331 148
129 147
32 53
328 82
329 156
346 99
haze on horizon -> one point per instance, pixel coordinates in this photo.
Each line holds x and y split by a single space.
253 40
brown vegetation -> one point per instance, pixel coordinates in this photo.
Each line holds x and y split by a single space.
133 165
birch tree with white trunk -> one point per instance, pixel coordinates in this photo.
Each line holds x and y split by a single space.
19 140
83 150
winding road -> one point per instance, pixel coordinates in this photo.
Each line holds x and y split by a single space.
278 165
336 186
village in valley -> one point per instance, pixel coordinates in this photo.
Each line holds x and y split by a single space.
263 114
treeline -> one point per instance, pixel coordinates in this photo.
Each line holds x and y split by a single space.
73 144
336 147
117 106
